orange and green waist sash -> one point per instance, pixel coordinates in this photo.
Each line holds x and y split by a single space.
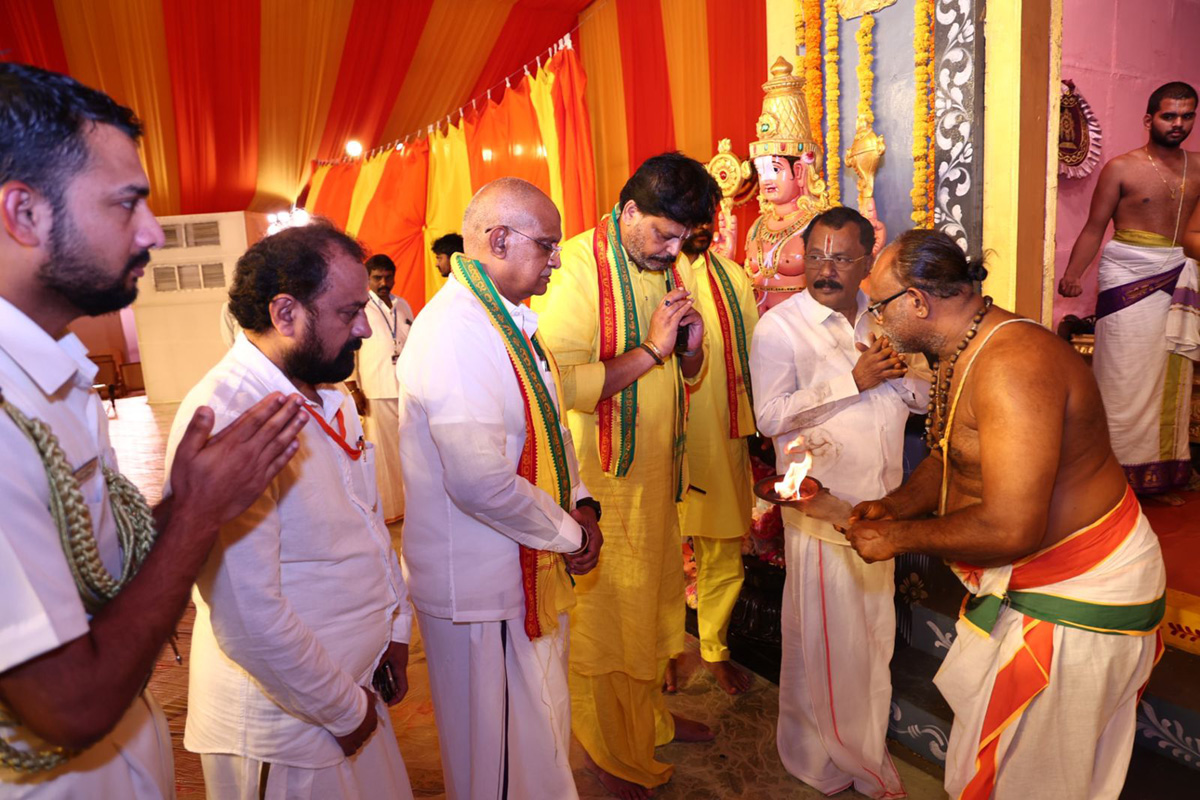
1035 589
1034 586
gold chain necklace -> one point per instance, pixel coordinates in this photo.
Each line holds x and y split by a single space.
1160 175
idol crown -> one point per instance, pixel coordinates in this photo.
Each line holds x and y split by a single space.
783 128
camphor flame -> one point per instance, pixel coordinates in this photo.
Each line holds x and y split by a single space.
789 487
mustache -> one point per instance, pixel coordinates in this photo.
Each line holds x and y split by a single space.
826 283
139 260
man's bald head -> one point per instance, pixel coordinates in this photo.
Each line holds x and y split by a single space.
505 202
513 229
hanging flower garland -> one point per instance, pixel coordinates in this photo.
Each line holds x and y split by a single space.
866 60
922 112
833 94
812 68
931 124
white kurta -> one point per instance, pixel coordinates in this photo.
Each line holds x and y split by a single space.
300 596
375 371
838 617
462 418
40 607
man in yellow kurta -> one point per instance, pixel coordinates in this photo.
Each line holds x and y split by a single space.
612 316
716 512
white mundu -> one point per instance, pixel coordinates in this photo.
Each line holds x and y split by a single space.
501 702
838 618
375 371
1147 336
40 607
294 609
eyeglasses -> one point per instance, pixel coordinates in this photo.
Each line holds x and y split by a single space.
839 262
876 309
550 247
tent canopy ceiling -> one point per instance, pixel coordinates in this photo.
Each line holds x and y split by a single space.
239 96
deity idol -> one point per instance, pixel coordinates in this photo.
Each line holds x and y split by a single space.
790 192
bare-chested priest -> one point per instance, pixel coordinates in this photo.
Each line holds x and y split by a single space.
1147 325
1066 576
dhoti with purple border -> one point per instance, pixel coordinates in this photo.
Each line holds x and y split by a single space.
1147 336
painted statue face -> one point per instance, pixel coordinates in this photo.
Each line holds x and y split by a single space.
780 182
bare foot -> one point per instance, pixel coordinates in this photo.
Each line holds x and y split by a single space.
688 730
617 787
1168 499
671 679
729 678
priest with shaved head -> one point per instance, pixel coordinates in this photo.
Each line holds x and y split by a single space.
497 519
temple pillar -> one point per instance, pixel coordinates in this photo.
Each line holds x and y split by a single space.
1020 174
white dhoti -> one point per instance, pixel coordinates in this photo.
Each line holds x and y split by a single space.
1045 697
502 708
835 685
381 426
375 771
1075 739
1145 374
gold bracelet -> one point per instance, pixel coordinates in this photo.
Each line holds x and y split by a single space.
654 352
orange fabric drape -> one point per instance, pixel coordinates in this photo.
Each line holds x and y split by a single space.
737 64
601 58
505 141
647 83
395 219
685 29
214 89
369 176
531 27
29 34
380 43
121 48
574 143
337 190
300 52
448 59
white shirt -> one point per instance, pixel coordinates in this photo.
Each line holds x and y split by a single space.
462 420
40 607
376 359
801 361
302 593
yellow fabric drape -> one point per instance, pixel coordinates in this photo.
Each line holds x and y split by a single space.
364 189
449 193
601 52
540 89
685 36
318 180
447 62
301 50
119 47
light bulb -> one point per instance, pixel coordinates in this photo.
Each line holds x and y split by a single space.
354 148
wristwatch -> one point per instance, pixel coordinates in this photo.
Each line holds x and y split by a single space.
589 502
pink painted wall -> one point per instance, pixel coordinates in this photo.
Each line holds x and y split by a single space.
1118 52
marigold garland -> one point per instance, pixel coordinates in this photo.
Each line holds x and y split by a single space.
812 69
866 59
833 94
922 151
931 125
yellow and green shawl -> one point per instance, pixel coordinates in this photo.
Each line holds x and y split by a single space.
620 333
547 586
